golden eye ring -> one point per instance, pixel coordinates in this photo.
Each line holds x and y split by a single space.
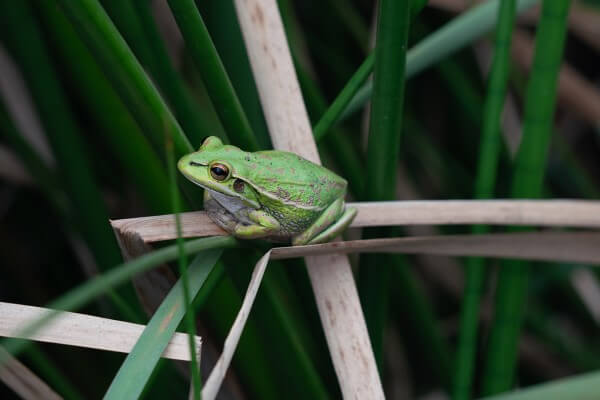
219 172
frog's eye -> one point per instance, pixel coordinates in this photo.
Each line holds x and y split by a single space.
219 172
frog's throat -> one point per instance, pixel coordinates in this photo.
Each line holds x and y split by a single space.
233 205
223 192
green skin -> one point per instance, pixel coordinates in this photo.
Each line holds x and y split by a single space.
268 194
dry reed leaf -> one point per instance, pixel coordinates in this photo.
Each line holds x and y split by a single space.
572 213
22 380
572 247
575 213
214 381
162 227
334 288
82 330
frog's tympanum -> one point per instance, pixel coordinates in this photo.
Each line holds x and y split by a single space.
275 195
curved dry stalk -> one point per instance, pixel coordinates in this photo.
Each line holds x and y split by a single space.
217 375
331 277
571 213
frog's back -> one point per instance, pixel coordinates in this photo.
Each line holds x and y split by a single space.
289 178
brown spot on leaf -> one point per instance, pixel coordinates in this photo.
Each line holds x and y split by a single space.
260 17
165 322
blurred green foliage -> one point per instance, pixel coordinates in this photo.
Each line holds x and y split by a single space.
111 82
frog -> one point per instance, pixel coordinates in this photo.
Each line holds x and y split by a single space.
272 194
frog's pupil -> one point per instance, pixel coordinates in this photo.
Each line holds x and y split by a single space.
219 171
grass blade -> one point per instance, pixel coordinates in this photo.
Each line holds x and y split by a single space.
582 387
121 131
139 364
215 77
489 152
190 319
382 152
333 113
83 294
63 134
126 74
453 36
527 183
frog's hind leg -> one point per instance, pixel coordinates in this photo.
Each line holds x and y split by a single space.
336 229
329 224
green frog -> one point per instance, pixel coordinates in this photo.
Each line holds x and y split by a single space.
275 195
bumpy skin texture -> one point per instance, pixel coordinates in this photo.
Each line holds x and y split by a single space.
272 194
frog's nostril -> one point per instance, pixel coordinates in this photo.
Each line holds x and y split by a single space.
195 164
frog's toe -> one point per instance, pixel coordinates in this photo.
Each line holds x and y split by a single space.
253 231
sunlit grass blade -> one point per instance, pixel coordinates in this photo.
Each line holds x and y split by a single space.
215 77
83 294
125 73
489 151
141 361
382 154
527 183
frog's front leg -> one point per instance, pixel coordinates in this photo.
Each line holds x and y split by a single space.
265 225
330 224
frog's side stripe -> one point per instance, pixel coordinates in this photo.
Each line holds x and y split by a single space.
271 196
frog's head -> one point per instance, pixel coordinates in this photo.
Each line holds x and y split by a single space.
213 167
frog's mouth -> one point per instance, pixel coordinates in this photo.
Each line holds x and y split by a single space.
228 199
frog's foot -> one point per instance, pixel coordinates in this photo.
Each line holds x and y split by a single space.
264 225
329 224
